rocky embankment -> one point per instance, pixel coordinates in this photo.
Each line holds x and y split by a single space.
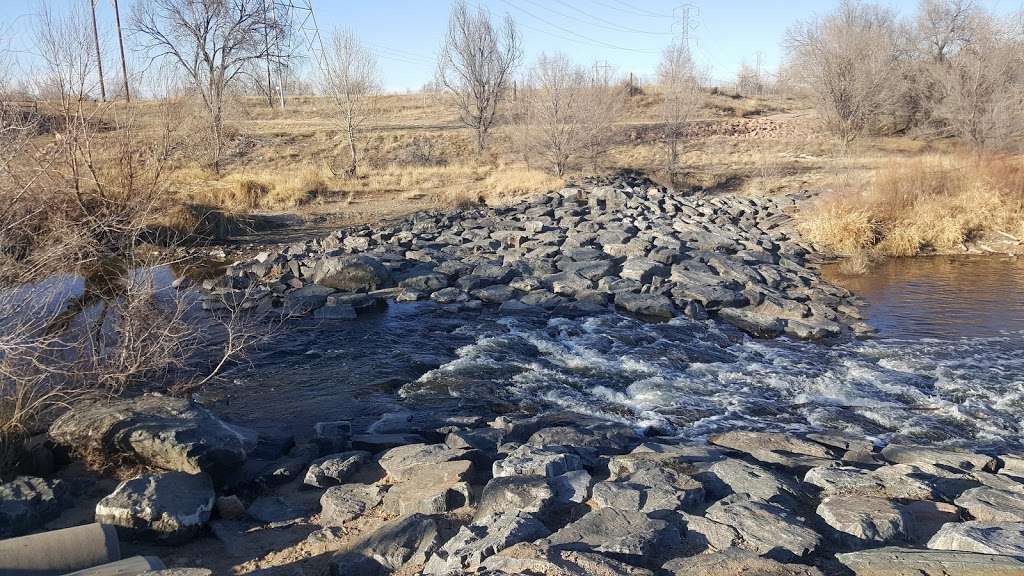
623 242
555 494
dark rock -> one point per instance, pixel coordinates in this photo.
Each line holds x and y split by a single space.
339 504
407 540
649 305
611 531
484 538
27 502
169 508
352 274
335 468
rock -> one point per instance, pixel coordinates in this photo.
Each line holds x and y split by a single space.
739 477
427 496
335 312
765 528
178 572
168 433
842 441
407 540
411 461
525 558
643 270
352 274
339 504
754 323
495 294
925 518
332 437
488 536
983 537
169 508
756 442
661 487
902 481
572 487
612 531
377 442
449 296
529 460
865 518
984 503
530 494
906 454
425 283
335 468
648 305
229 507
705 536
894 561
27 502
599 438
735 562
274 510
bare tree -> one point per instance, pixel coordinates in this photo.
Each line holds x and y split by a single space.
352 83
945 26
846 61
213 41
681 88
476 65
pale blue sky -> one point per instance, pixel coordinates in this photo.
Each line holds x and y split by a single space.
628 35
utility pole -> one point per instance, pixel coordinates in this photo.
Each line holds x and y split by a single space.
99 56
266 45
120 42
758 58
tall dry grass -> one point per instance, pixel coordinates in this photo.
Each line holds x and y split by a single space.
932 202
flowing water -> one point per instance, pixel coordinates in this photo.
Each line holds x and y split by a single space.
946 367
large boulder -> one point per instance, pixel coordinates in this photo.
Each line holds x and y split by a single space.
352 274
864 518
611 531
339 504
168 433
527 558
738 477
405 540
168 508
765 528
335 469
27 503
524 493
735 562
529 460
910 454
894 561
982 537
984 503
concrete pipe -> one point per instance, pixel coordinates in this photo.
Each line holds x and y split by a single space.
59 551
128 567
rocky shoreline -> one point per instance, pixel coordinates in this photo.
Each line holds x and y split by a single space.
555 494
621 243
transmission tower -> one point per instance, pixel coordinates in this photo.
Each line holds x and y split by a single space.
685 15
300 20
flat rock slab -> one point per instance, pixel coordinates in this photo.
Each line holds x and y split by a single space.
339 504
168 433
28 502
531 460
406 540
735 562
865 518
1005 538
528 558
414 460
427 497
168 508
524 493
901 481
753 442
912 562
478 541
984 503
618 532
909 454
767 529
738 477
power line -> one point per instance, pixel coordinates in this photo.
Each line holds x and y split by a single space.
608 24
630 9
586 39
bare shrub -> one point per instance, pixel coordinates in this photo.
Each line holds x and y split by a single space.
476 65
353 85
566 112
846 61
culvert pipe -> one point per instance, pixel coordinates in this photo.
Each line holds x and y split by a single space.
59 551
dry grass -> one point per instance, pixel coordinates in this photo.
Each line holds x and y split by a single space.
932 202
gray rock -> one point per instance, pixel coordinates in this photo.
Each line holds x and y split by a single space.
167 433
756 442
335 468
894 561
706 536
735 562
925 518
739 477
572 487
425 283
411 461
901 481
648 305
495 294
409 540
352 274
332 437
169 508
449 296
526 558
530 460
339 504
983 537
907 454
427 496
754 323
865 518
531 494
992 504
27 503
765 528
482 539
643 270
612 531
601 438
